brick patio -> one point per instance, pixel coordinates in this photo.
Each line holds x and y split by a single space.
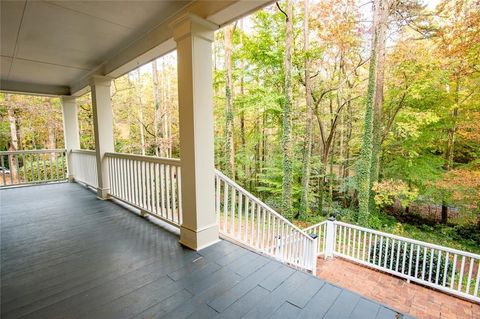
413 299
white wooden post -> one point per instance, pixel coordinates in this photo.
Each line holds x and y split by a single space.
103 129
70 131
194 37
330 238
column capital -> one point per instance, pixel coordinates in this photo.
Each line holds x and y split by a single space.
68 98
190 24
100 80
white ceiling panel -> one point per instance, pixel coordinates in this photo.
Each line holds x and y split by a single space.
138 15
56 35
10 18
46 74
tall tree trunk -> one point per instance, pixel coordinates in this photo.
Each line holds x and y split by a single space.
365 158
34 140
341 145
330 178
444 217
264 141
346 168
156 102
307 151
346 162
140 113
253 179
322 186
287 116
229 142
142 130
13 137
242 113
450 150
378 101
167 115
51 143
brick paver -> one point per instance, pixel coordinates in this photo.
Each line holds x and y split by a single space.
416 300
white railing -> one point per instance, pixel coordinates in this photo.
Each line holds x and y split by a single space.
453 271
244 218
32 167
84 167
152 184
320 230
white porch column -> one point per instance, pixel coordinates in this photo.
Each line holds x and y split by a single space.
103 129
71 134
194 37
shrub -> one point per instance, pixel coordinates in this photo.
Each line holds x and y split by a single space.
392 262
37 171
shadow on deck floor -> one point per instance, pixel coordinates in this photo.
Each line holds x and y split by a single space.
66 254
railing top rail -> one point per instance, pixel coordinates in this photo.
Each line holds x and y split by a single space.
259 202
153 159
32 151
412 241
314 226
90 152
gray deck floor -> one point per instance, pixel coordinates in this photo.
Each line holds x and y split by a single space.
66 254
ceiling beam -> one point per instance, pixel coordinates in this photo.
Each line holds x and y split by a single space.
32 88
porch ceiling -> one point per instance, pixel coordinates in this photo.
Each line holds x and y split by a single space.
53 47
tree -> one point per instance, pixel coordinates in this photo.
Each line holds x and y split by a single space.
364 169
158 110
229 150
287 179
307 148
381 30
13 145
458 42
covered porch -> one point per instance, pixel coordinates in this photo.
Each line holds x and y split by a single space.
140 236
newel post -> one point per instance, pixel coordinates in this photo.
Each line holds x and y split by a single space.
330 238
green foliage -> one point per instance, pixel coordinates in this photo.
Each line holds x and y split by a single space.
387 192
38 121
407 260
33 170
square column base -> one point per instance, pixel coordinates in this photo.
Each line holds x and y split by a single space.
200 238
102 193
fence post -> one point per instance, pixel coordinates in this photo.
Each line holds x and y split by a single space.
314 253
330 238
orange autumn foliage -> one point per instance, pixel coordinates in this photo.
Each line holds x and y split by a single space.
463 185
470 129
